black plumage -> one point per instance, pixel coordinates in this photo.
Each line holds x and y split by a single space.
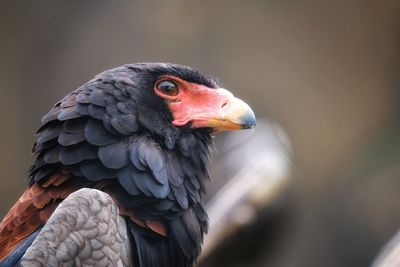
48 133
128 181
115 155
116 129
97 135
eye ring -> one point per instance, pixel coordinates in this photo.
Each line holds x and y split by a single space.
167 87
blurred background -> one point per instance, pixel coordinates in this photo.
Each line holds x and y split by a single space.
326 71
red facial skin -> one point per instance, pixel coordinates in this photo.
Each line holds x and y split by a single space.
201 105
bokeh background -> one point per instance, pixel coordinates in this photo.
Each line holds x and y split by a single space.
326 71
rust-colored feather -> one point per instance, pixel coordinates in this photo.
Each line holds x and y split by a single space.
157 227
33 209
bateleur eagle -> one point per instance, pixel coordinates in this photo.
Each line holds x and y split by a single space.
142 134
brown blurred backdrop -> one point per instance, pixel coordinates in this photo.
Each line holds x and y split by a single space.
327 71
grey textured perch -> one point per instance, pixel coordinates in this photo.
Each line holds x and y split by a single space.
85 230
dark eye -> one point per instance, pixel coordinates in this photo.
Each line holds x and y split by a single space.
168 88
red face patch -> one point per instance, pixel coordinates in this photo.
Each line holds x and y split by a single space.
203 106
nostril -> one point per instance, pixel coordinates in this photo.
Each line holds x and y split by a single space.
224 104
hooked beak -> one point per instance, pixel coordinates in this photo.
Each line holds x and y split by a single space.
217 109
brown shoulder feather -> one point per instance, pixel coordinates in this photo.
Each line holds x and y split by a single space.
33 209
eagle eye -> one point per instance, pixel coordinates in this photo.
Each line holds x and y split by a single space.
167 87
